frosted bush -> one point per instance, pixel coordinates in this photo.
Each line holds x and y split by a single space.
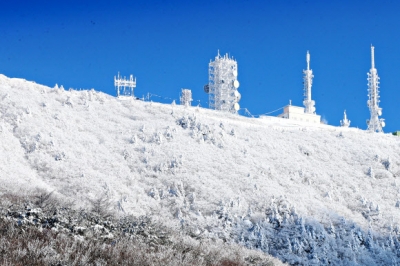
168 133
187 122
157 138
154 194
382 174
386 163
133 139
59 156
371 172
305 150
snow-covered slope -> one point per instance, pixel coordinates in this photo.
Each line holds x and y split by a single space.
218 175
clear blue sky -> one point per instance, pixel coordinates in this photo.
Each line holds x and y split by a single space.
167 45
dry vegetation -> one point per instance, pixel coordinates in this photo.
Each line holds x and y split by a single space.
30 235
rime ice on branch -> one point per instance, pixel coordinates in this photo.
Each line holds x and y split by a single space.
375 124
345 122
223 84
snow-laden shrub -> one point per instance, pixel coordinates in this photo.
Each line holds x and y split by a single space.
306 150
370 172
203 132
302 241
133 139
101 206
169 133
382 174
386 163
172 165
154 194
187 122
157 138
59 156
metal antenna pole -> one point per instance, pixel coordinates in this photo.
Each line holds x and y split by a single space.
307 81
375 124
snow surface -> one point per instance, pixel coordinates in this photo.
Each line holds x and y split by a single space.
189 166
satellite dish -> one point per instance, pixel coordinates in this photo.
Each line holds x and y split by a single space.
236 84
379 112
236 106
206 88
383 124
237 95
235 73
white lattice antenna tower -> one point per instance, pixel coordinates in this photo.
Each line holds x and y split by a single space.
223 84
186 97
307 81
124 86
375 124
345 122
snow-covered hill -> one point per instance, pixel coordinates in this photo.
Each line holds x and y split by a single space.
308 194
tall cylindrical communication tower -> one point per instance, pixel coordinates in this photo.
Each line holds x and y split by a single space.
307 81
375 124
223 84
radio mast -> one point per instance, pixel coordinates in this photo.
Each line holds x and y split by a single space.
307 81
375 124
124 86
186 97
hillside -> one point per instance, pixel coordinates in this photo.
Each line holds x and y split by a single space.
307 194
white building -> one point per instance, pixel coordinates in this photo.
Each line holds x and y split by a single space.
297 113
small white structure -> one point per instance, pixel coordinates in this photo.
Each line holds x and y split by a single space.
223 84
307 81
306 113
186 97
345 122
298 113
375 124
125 87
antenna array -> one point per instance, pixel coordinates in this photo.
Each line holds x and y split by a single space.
186 97
375 124
124 86
223 84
